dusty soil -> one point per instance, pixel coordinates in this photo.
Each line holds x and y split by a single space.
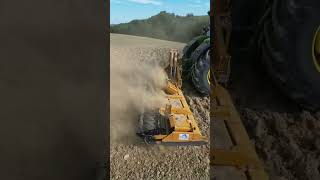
130 157
289 143
286 137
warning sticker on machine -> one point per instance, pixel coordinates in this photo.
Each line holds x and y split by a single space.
183 136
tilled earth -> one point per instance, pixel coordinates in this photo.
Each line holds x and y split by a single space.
133 159
286 137
289 143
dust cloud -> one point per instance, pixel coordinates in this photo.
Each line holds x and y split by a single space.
135 86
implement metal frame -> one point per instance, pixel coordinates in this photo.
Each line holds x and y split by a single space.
232 156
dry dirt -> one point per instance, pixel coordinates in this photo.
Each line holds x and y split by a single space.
286 137
289 143
130 157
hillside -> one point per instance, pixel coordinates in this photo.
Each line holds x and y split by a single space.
166 26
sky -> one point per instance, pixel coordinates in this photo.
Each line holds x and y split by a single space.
122 11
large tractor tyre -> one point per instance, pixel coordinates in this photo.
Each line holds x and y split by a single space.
196 54
290 47
187 62
200 50
192 45
200 74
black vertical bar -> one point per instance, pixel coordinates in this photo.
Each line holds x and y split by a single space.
53 89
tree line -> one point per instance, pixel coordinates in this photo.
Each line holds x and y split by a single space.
166 26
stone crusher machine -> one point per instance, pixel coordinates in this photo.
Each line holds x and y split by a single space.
174 123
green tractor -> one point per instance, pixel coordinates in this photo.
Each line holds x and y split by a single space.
196 61
284 35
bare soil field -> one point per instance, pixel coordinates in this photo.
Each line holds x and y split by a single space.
135 60
286 137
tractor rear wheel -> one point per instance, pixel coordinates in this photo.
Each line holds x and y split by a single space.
200 50
192 45
200 74
187 62
290 48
